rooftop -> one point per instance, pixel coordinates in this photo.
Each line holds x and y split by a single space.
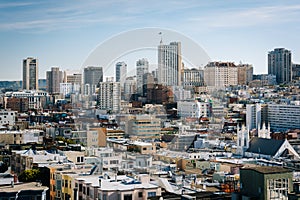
22 186
267 169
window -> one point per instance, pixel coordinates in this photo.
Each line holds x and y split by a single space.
127 197
151 194
66 183
140 194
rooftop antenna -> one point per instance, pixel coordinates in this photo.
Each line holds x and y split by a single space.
160 33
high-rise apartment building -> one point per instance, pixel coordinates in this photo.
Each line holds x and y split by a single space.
142 67
53 79
109 98
280 65
30 74
169 64
219 75
121 72
92 77
283 117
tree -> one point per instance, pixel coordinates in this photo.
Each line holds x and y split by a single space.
30 175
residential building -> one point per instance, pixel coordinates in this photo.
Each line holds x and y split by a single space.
7 117
54 78
142 67
31 190
270 182
194 109
192 78
92 77
27 159
245 74
283 117
169 64
115 187
19 105
109 98
219 75
30 74
280 65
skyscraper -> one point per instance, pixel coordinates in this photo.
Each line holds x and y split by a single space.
54 78
142 67
280 65
92 77
169 64
30 74
121 72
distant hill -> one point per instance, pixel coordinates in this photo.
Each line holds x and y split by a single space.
17 85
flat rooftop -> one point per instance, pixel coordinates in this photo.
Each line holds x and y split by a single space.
268 170
22 187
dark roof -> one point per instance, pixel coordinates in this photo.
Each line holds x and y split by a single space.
268 169
264 146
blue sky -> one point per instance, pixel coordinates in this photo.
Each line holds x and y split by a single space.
63 33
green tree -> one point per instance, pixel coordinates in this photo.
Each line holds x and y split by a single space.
30 175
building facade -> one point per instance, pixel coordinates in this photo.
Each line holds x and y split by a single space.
245 74
30 74
192 78
283 117
280 65
121 72
109 98
142 67
92 77
219 75
169 64
54 78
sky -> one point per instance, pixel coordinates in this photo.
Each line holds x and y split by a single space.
65 33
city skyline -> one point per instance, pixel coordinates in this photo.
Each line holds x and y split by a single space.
64 33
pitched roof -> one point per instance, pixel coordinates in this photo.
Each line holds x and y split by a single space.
264 146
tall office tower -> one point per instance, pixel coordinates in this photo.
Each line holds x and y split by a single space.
219 75
92 77
169 64
245 74
30 74
142 67
54 78
121 72
192 78
280 65
109 98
